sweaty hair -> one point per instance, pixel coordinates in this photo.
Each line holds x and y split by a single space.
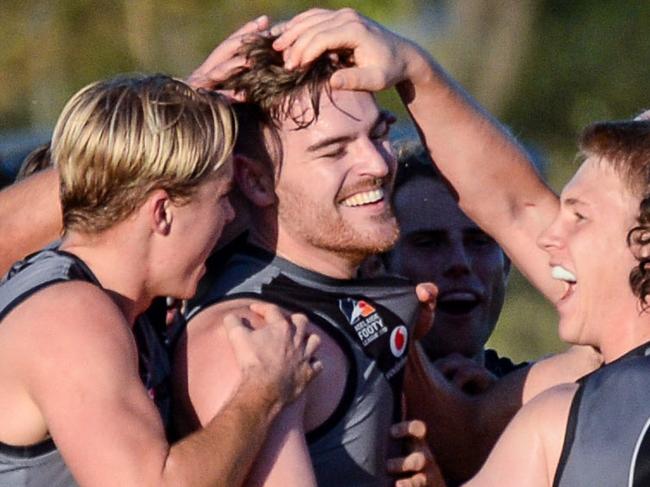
272 92
625 147
118 140
275 89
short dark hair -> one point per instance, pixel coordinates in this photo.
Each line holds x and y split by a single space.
625 147
266 83
271 90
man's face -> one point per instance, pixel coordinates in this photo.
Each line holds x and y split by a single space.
439 243
196 227
588 250
334 181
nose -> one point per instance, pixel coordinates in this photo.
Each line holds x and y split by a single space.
457 261
378 160
553 237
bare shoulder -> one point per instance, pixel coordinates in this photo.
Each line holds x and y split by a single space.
75 313
529 450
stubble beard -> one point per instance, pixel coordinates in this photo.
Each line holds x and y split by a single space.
325 229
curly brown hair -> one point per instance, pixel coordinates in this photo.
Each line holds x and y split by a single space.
625 146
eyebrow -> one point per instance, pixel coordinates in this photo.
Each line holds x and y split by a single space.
575 202
382 117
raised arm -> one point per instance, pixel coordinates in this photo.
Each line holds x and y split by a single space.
496 182
30 216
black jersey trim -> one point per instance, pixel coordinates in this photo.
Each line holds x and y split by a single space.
28 452
85 270
337 335
569 436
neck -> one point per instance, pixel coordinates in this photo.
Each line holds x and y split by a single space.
626 334
324 261
120 272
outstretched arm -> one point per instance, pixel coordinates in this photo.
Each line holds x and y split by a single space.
496 182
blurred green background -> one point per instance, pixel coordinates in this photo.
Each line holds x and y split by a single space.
544 67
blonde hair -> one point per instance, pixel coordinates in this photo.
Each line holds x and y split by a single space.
119 139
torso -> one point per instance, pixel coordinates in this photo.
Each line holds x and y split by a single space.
28 457
357 320
606 441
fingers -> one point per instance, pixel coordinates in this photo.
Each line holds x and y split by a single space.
271 313
288 31
223 61
465 374
413 462
259 24
308 35
409 429
427 292
418 480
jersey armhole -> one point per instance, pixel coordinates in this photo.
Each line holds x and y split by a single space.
337 335
569 436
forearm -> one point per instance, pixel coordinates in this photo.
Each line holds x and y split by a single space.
496 182
221 454
30 217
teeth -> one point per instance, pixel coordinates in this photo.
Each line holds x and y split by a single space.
560 273
364 198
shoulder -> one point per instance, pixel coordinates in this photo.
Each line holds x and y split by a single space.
530 447
65 323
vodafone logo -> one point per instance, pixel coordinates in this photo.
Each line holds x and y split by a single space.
399 340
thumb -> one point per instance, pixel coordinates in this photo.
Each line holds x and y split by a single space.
358 79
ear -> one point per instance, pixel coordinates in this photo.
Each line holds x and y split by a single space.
255 181
162 212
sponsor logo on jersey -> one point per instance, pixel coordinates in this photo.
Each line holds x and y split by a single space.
364 318
398 340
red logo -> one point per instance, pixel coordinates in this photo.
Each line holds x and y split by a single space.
399 340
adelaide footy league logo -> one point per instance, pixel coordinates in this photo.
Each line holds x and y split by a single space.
398 340
364 319
355 310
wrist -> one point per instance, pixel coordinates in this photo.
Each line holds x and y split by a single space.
265 394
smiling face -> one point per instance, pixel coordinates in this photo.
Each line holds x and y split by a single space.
439 243
589 252
334 180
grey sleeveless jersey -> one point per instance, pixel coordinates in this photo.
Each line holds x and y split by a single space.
370 320
606 442
42 465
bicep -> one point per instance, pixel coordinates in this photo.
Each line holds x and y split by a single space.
87 387
284 458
